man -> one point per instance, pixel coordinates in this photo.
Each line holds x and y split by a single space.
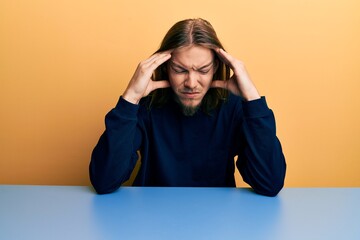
188 119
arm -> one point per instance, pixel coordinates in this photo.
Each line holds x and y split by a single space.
261 161
114 157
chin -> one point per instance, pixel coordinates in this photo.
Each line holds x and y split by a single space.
189 109
191 104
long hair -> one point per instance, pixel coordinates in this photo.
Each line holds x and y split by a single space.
192 32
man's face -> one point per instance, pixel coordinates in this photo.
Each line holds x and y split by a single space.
191 72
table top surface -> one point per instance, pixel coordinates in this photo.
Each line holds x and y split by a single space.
64 212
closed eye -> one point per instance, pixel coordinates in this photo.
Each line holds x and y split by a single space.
178 69
204 71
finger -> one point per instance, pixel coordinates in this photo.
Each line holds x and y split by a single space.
219 84
156 85
159 60
156 55
226 57
160 84
148 66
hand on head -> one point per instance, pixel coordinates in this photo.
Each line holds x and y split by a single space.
141 83
239 83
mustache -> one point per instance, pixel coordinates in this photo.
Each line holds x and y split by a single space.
189 90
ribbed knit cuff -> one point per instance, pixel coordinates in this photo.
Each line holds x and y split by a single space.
127 108
256 108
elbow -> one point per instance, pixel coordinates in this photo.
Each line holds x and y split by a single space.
275 190
270 191
271 188
101 186
100 182
268 187
101 189
274 183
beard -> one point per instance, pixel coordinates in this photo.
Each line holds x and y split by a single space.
189 110
185 109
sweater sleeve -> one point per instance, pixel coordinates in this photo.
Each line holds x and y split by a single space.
115 155
261 161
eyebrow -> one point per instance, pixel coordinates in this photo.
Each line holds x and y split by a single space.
200 68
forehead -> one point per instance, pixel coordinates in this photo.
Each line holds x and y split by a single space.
192 56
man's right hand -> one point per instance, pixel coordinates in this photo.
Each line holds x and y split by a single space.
141 83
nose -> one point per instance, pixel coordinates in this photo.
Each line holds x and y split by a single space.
191 80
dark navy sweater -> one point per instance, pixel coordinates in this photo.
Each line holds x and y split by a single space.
196 151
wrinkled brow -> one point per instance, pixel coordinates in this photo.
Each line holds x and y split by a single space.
200 68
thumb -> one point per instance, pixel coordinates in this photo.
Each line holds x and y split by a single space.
153 85
160 84
219 84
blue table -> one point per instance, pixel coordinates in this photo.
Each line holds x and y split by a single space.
59 212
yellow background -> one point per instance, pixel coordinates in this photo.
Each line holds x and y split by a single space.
64 64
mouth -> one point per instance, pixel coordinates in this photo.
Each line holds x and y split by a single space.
191 94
